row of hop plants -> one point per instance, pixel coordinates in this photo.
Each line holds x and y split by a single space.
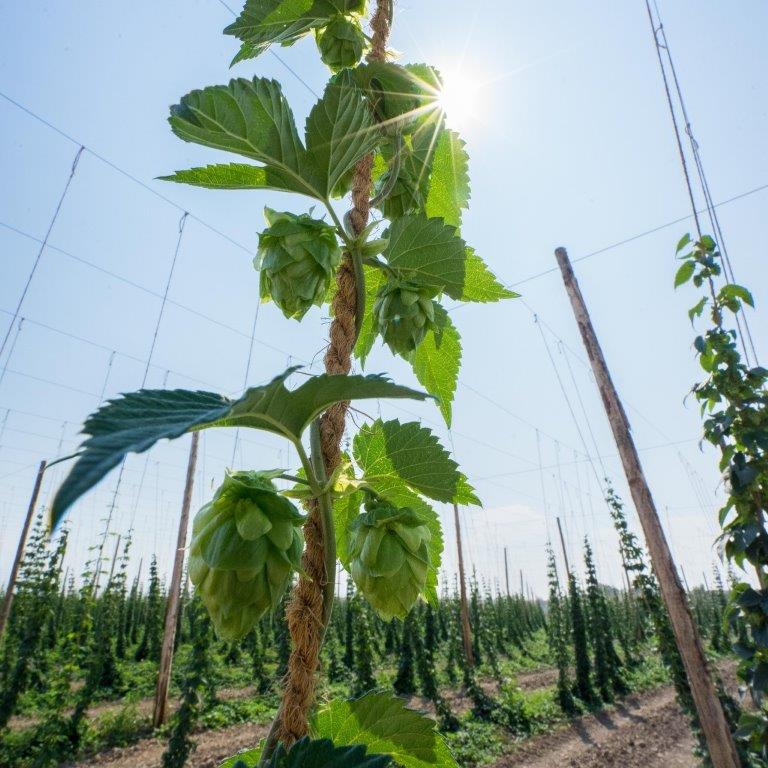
97 638
105 641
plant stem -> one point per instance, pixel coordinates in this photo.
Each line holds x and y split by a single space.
326 515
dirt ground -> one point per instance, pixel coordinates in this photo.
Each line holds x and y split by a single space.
643 731
647 731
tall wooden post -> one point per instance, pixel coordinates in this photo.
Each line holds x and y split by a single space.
8 599
466 633
562 544
506 571
172 609
713 723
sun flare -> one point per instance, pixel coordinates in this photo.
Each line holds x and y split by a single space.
459 98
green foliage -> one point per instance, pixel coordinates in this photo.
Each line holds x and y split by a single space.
393 455
266 22
341 43
297 257
252 118
384 725
734 408
389 557
428 253
403 312
180 745
582 662
135 422
246 545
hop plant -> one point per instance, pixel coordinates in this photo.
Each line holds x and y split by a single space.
402 314
246 543
405 196
389 557
341 43
297 257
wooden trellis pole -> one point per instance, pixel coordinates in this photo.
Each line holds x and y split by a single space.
174 596
466 633
565 551
506 571
11 588
717 734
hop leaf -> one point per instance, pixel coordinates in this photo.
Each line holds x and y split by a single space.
297 257
321 753
246 543
389 557
341 43
403 312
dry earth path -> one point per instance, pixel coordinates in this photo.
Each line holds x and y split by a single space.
646 731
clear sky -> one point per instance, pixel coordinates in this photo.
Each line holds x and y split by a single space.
570 144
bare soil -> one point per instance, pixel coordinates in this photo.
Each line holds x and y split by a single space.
647 731
641 731
212 748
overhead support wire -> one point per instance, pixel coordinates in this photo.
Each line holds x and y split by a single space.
663 52
40 251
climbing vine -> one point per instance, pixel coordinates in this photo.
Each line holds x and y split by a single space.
377 134
734 406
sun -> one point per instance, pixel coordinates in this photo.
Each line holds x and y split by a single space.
460 98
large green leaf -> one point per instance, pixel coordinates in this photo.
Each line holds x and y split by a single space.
480 284
449 181
384 724
135 422
235 176
392 454
307 753
427 252
436 361
340 130
251 118
263 22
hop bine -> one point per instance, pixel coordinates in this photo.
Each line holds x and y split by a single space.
297 257
246 543
403 312
389 557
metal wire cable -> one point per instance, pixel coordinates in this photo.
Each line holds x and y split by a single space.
43 243
711 208
662 44
125 173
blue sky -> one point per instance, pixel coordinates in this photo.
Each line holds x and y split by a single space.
571 145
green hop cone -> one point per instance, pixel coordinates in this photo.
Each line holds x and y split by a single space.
401 99
297 257
405 197
389 557
246 543
341 43
403 312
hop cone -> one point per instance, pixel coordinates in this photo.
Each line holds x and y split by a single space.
246 543
389 557
341 43
402 314
297 257
405 197
402 100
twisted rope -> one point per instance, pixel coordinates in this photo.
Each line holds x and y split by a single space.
306 614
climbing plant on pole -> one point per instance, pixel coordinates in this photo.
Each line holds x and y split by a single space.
377 134
734 406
